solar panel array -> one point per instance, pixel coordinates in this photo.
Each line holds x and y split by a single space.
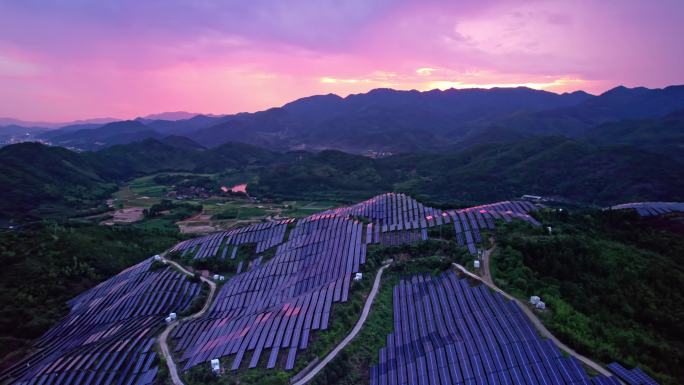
275 306
634 376
265 235
449 332
469 222
398 219
108 335
392 211
266 312
646 209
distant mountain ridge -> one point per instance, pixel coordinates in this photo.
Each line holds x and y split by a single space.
171 115
41 124
382 119
119 132
619 103
390 120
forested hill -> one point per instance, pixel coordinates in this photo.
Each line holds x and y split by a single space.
539 165
662 135
41 180
34 177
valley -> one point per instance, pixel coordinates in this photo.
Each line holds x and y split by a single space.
220 210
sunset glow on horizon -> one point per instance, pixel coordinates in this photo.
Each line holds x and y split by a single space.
66 60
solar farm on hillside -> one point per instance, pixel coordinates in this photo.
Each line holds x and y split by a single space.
445 330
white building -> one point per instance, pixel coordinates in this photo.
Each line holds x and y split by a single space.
476 263
215 365
358 276
534 300
540 305
532 197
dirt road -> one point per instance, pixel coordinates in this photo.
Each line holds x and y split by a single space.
357 328
536 322
163 338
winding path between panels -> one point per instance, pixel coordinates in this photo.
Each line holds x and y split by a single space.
163 337
487 280
173 370
357 328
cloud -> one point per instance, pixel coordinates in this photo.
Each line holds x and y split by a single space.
16 67
331 80
549 85
425 71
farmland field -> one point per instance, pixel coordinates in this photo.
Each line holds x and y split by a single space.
219 211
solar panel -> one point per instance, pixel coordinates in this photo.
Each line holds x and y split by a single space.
651 208
273 305
482 342
124 312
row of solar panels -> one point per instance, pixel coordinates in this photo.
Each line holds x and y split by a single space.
402 237
265 235
108 335
394 211
449 332
467 223
634 376
277 304
646 209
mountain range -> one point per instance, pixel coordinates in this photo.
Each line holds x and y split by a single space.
391 121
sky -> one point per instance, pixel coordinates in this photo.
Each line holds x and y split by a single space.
62 60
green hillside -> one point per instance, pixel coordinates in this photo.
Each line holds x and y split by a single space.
51 180
35 176
589 272
538 165
542 166
661 136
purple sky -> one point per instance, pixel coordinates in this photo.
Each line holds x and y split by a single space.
72 59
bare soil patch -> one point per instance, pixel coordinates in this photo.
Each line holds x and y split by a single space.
127 215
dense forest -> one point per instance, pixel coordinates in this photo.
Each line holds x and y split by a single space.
611 280
545 165
62 183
